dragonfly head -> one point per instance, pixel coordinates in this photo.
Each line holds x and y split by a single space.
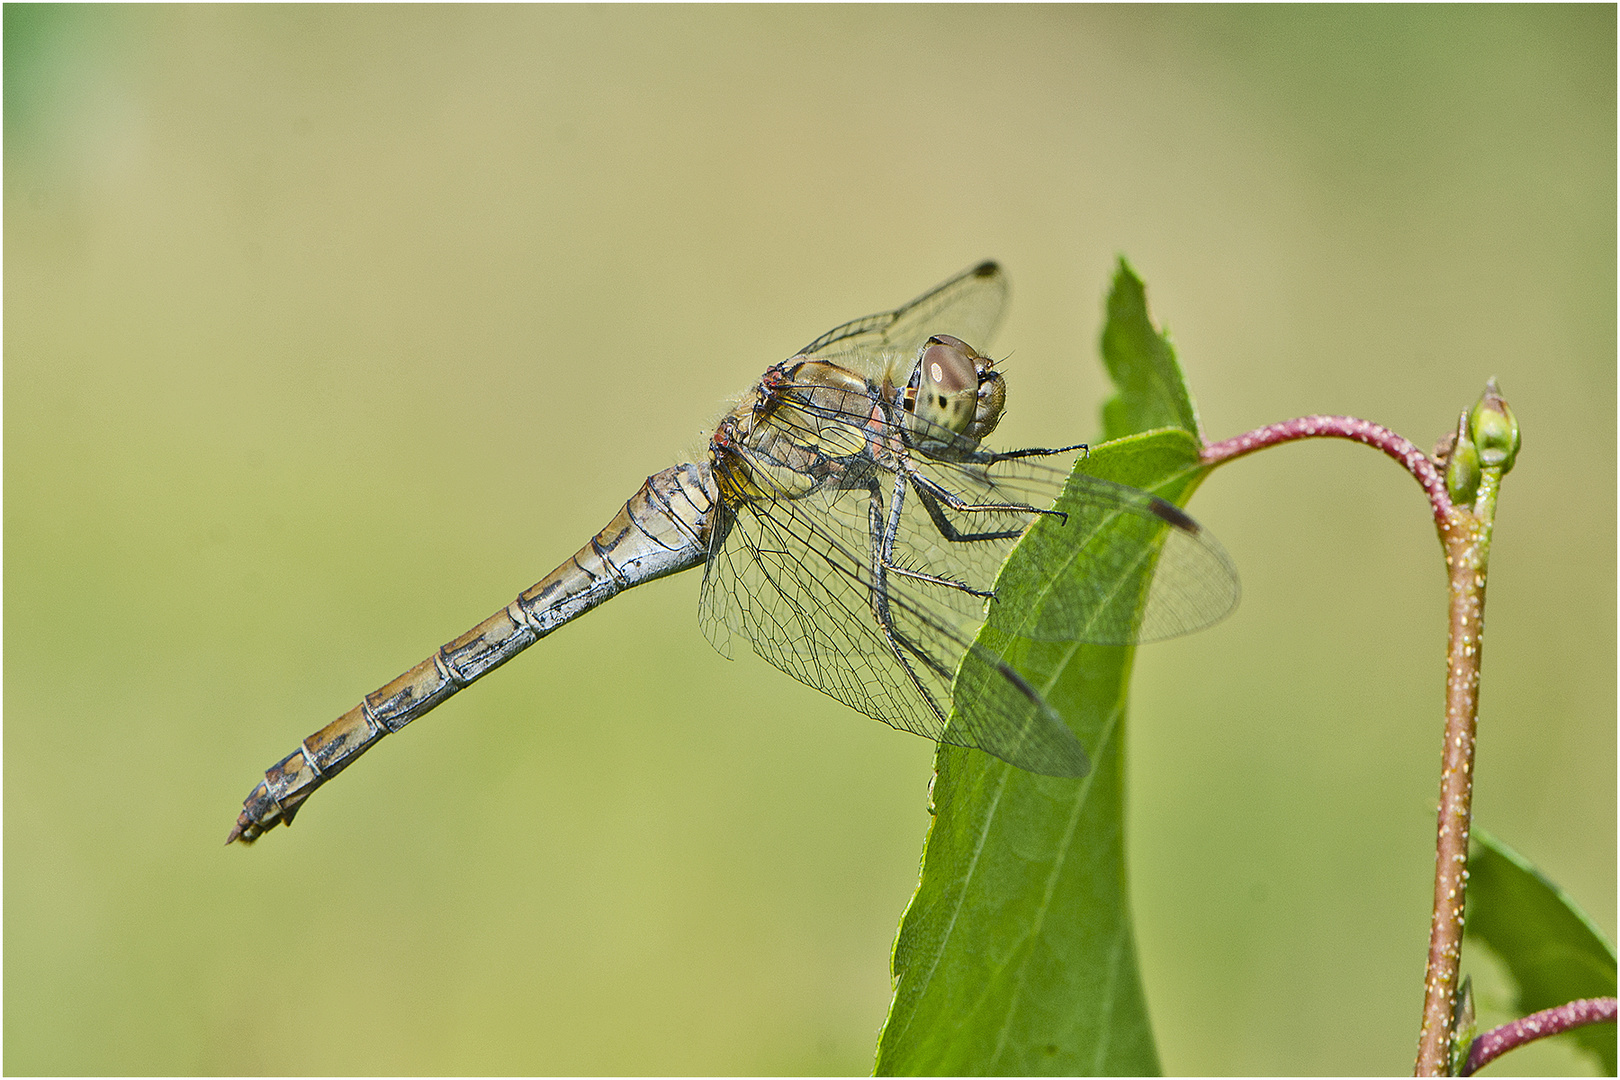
953 390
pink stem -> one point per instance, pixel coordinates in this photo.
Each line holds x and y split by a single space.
1465 538
1414 460
1498 1041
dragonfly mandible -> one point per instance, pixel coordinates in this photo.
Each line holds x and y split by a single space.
850 523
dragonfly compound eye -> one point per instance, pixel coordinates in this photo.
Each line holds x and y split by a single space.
947 385
992 399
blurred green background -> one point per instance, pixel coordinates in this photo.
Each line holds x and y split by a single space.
330 329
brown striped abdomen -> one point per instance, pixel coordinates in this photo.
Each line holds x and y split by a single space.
662 529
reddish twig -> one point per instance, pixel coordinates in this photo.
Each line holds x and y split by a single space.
1465 530
1498 1041
1415 461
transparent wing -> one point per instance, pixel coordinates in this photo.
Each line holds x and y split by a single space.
869 573
796 578
1084 570
968 306
1082 577
960 520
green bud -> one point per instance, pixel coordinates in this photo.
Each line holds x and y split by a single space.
1495 431
1462 466
1464 1028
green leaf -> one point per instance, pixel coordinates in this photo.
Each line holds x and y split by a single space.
1150 390
1552 949
1017 954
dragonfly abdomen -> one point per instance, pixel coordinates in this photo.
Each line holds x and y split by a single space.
662 529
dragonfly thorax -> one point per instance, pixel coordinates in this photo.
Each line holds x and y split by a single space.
810 424
800 430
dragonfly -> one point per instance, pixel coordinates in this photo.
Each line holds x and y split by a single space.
851 523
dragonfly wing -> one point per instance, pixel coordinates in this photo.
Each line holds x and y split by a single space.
1124 567
1116 566
795 577
958 519
718 613
966 543
968 306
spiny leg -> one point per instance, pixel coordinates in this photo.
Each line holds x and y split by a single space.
934 579
1033 451
929 488
900 644
950 531
882 537
891 529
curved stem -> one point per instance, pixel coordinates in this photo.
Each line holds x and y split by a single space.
1498 1041
1415 461
1465 535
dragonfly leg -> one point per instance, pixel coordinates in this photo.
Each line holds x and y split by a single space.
932 494
883 528
950 531
1033 451
934 579
892 527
